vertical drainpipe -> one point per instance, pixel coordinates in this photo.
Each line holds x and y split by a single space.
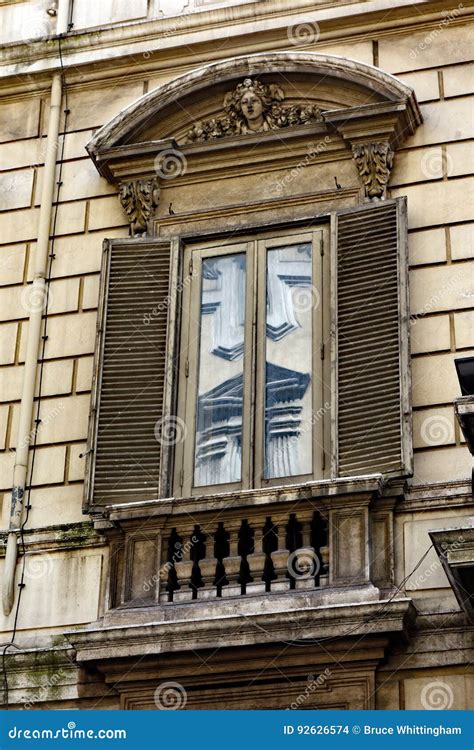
38 294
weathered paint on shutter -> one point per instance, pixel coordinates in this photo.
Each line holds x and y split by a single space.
371 376
130 380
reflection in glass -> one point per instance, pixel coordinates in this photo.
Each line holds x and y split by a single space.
218 452
288 361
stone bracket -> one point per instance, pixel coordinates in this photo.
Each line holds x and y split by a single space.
139 199
374 163
373 132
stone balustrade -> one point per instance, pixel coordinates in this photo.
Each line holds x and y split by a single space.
243 556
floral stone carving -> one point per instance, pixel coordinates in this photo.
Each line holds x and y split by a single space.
139 199
374 162
253 107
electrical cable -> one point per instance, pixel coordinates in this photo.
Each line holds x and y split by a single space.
371 618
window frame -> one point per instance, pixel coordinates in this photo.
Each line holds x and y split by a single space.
255 243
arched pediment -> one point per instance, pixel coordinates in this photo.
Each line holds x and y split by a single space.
325 81
279 107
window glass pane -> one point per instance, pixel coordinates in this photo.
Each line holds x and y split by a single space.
218 452
288 362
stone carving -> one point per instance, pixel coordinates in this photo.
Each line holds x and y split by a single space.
253 107
374 162
139 199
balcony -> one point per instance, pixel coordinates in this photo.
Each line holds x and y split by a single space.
244 556
243 573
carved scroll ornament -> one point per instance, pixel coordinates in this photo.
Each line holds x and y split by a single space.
374 162
139 199
253 107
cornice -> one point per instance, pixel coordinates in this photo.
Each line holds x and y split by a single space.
307 622
138 42
437 496
65 537
371 131
329 492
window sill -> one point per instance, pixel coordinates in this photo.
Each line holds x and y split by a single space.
327 490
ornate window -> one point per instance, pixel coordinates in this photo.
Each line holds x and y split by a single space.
253 328
252 374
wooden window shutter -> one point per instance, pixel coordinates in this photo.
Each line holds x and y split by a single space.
135 342
371 374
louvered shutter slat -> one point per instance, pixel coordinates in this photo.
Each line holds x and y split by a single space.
373 429
124 463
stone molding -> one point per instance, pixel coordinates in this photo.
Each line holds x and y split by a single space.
389 91
328 493
139 200
83 48
374 163
192 630
252 113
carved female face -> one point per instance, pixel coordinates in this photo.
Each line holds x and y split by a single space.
252 109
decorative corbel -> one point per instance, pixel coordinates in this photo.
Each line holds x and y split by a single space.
374 162
139 199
